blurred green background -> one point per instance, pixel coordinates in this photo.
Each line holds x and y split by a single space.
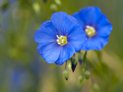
23 70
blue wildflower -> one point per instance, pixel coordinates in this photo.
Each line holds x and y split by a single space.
96 26
59 38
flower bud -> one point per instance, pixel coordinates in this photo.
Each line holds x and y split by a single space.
73 65
53 7
81 79
66 74
87 74
36 7
58 2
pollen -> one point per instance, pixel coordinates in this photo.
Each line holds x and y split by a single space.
90 31
61 40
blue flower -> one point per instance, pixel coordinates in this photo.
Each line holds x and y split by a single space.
59 38
96 26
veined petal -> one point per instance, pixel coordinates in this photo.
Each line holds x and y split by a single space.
46 33
77 37
95 44
63 22
41 37
50 52
93 17
88 15
79 18
104 27
66 53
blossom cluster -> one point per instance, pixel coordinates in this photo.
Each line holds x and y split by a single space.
63 35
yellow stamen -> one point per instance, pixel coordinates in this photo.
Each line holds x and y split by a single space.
90 31
61 40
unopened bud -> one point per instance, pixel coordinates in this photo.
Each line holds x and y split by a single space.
87 74
74 64
36 7
58 2
53 7
81 79
66 75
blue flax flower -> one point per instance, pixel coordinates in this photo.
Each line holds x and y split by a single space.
96 27
59 38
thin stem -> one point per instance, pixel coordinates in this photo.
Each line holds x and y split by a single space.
66 65
84 61
84 57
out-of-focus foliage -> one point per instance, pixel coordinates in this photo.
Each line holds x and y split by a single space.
23 70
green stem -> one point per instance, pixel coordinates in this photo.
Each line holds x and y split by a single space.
84 62
84 57
66 65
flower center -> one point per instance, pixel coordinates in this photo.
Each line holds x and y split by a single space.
90 31
61 40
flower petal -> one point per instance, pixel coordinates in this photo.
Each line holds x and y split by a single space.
88 15
46 33
79 19
93 16
49 52
104 27
95 44
66 53
63 22
77 37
